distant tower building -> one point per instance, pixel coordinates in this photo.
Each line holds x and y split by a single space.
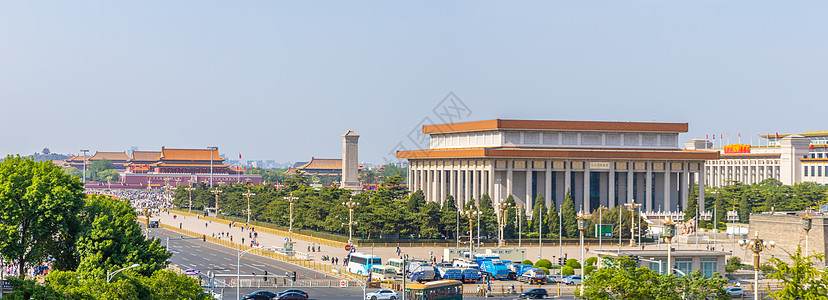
350 149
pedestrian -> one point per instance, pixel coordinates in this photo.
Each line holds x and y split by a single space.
242 240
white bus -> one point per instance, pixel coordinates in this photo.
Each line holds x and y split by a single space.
383 273
397 264
359 263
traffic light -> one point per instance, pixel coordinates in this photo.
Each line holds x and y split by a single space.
561 261
294 276
203 237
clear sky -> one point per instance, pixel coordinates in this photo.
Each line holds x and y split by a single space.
284 80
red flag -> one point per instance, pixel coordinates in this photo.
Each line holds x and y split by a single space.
777 135
714 136
239 155
812 147
740 134
705 137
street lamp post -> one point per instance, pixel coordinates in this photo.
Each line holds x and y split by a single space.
502 208
190 190
216 192
84 164
350 205
212 148
518 219
582 224
238 271
669 233
290 199
110 275
756 245
248 195
806 224
471 214
600 224
632 207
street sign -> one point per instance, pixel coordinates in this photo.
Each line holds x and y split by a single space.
347 247
343 283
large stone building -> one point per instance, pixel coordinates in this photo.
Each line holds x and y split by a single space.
789 158
601 163
119 160
787 230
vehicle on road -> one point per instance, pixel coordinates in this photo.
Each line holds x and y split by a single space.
153 224
449 273
422 272
735 291
554 278
435 290
471 275
533 276
516 270
381 295
291 296
571 280
360 263
533 294
383 273
292 291
397 264
191 272
259 295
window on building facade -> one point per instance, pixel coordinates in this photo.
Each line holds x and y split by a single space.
684 265
819 171
806 171
812 171
709 266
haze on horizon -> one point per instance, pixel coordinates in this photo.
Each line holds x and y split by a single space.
284 80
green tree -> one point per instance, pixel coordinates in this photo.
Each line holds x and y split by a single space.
538 213
545 263
449 217
511 214
744 210
112 239
801 279
692 206
488 217
38 205
570 221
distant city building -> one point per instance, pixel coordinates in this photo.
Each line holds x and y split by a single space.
600 163
789 158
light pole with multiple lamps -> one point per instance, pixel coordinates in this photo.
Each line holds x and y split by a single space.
807 221
84 164
350 205
290 200
756 245
471 214
190 190
632 206
502 209
582 225
600 226
238 269
669 233
519 219
110 275
248 195
216 192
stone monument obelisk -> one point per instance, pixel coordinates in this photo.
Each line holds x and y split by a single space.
350 158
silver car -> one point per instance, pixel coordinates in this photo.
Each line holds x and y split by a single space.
381 295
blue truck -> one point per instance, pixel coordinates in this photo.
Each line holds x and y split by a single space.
420 272
470 275
515 270
450 273
495 268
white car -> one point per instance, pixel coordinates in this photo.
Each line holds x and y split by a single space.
381 295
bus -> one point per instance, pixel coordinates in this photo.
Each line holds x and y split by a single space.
359 263
435 290
383 273
397 264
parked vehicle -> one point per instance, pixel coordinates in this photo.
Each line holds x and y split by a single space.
153 224
450 273
383 273
533 294
533 276
191 272
436 290
470 275
735 291
571 280
516 270
496 268
554 278
291 296
381 295
422 273
292 291
259 295
360 263
397 264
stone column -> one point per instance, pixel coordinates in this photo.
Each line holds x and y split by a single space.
453 174
668 201
529 199
685 185
490 179
410 180
424 185
568 181
415 178
547 195
443 183
630 181
509 176
467 179
611 185
648 187
700 201
587 198
475 184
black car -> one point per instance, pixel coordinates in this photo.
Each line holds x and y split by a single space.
533 294
153 224
291 296
259 295
292 291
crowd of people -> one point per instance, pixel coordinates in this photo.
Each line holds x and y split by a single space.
139 198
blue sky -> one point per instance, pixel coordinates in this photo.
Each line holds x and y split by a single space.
284 80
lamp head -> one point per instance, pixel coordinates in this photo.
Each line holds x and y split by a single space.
135 265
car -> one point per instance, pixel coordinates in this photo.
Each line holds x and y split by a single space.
381 295
554 278
571 280
735 291
191 272
292 291
153 224
259 295
533 294
291 296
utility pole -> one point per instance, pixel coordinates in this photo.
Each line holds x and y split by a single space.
212 148
190 190
471 214
84 164
248 195
291 199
